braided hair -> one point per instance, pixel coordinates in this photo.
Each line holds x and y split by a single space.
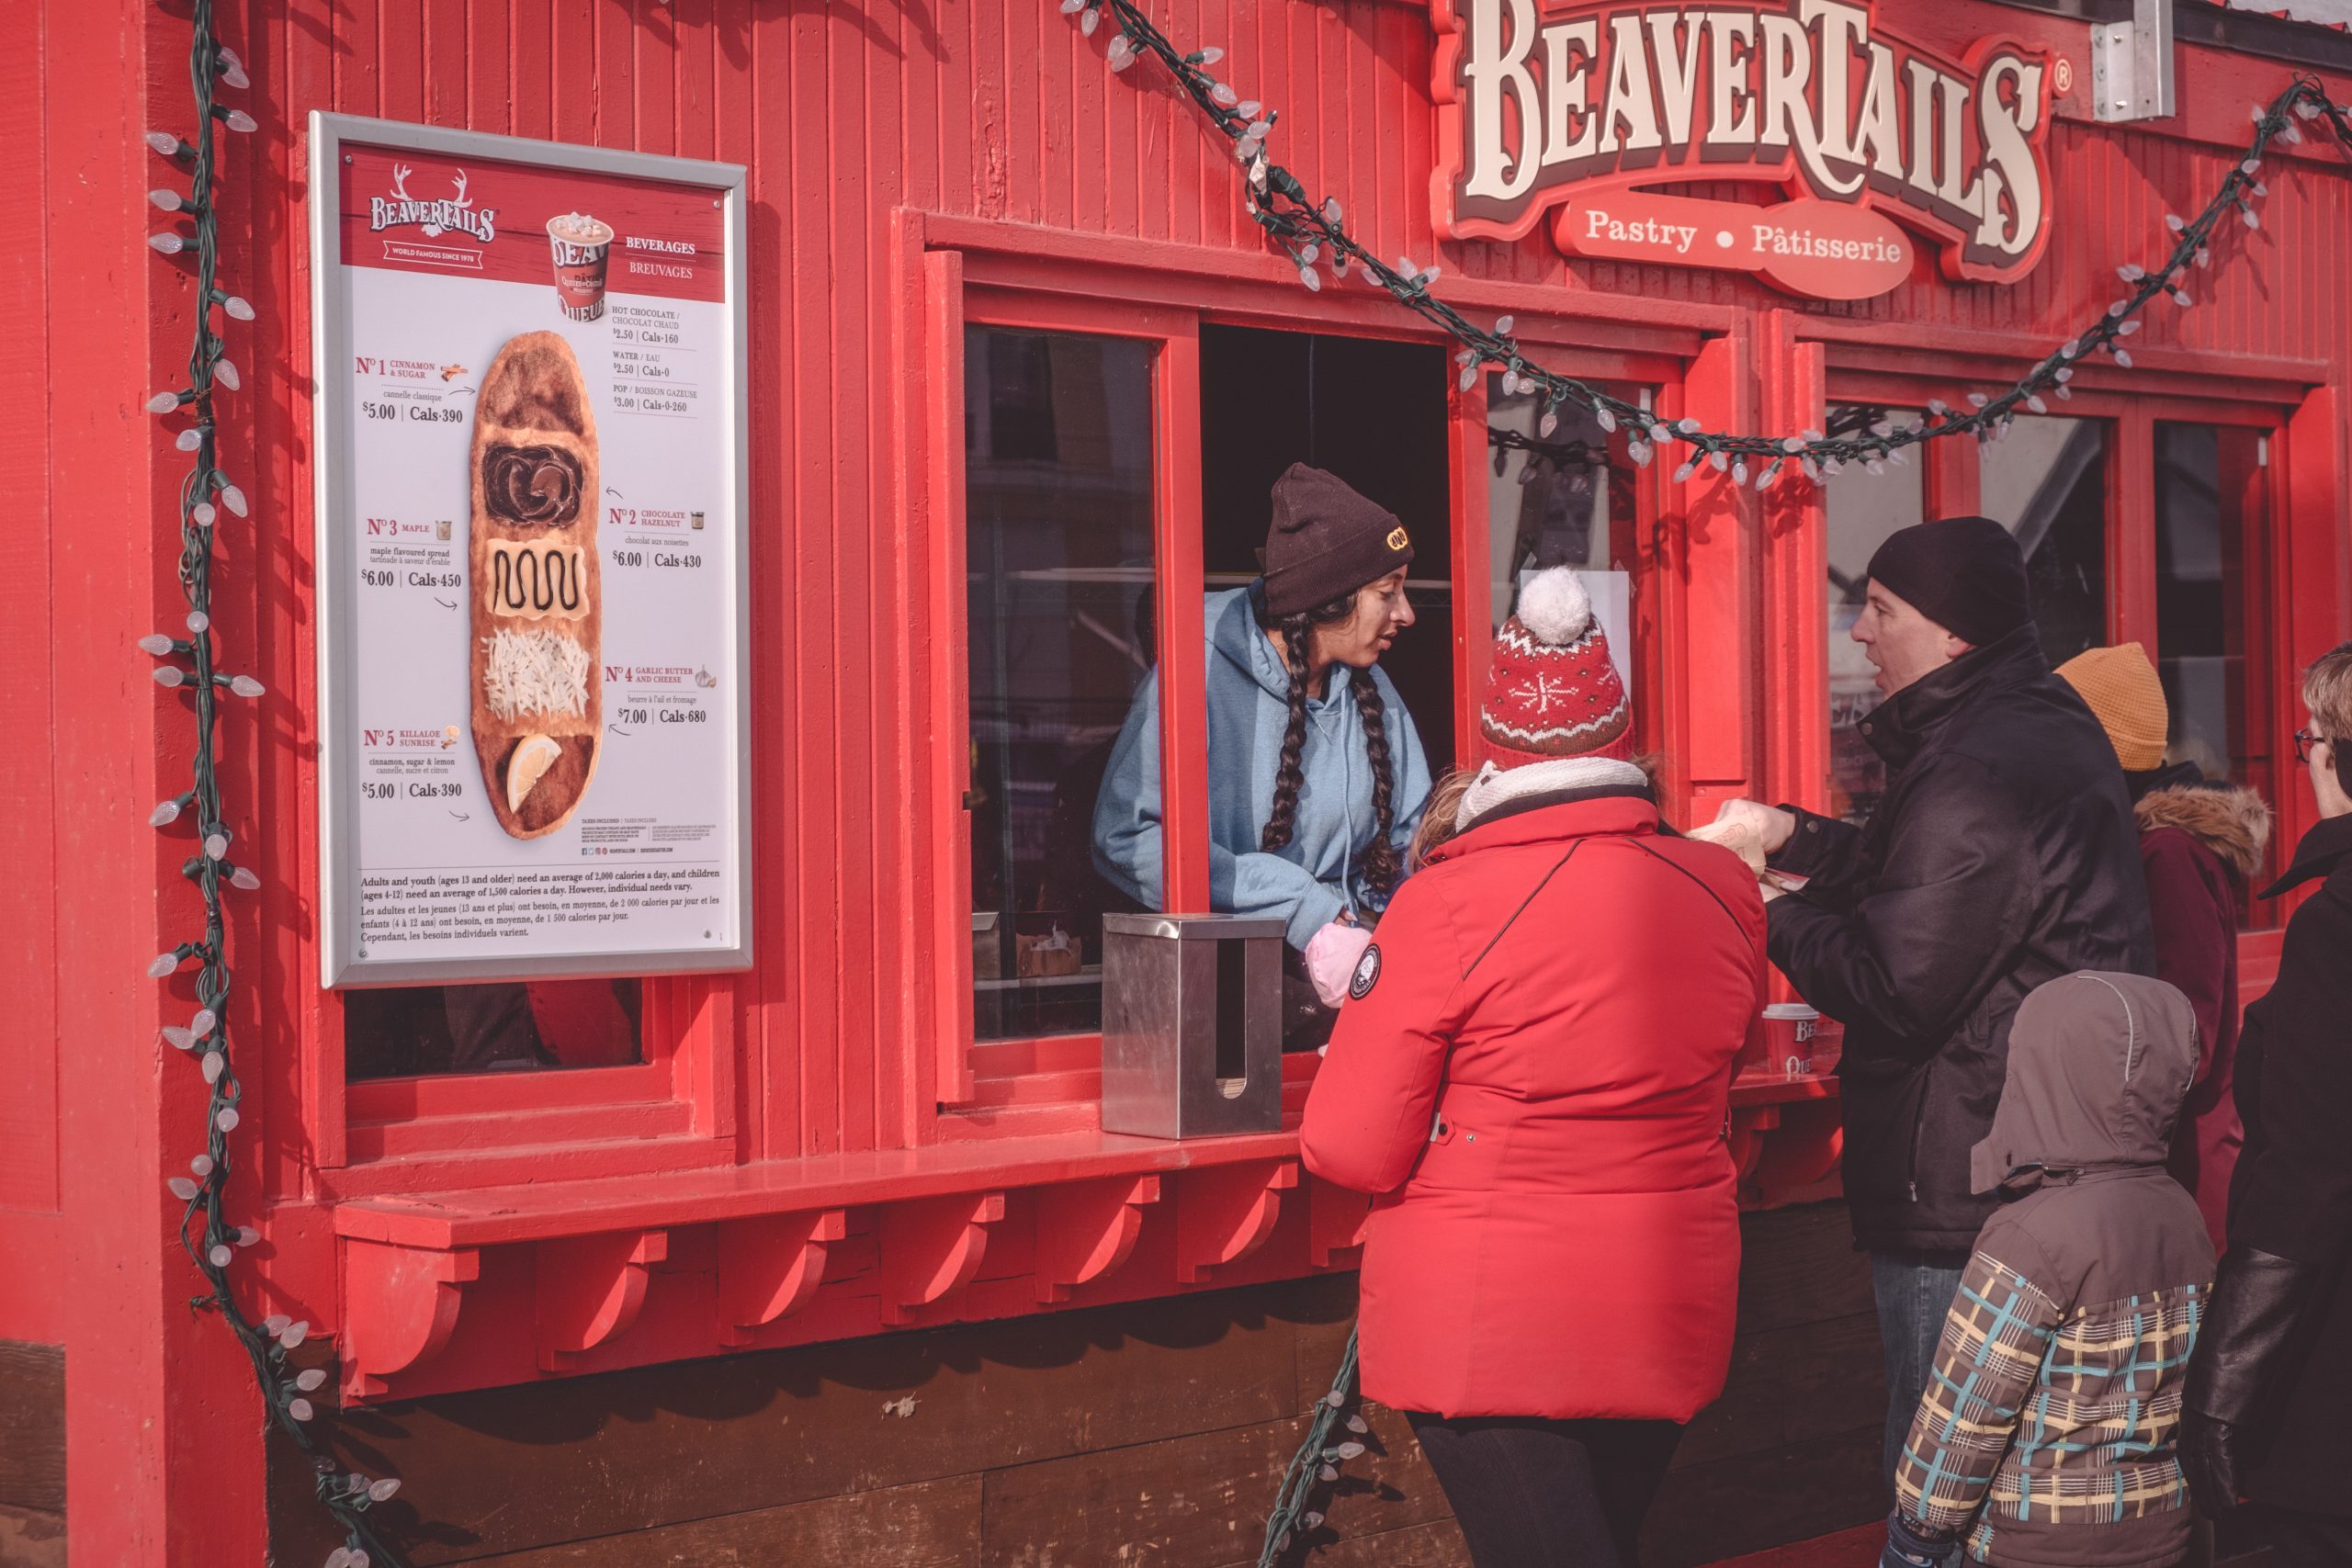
1379 860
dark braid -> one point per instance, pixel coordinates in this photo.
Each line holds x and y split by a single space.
1291 774
1379 862
1380 857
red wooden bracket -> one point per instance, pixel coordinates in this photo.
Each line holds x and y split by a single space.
769 1267
1802 1152
591 1289
1227 1212
1748 1125
400 1306
1086 1229
932 1247
1336 1217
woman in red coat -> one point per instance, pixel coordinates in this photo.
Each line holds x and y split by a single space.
1531 1075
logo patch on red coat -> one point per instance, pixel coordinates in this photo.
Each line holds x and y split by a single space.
1367 973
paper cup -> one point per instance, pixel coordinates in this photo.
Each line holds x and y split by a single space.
579 247
1792 1036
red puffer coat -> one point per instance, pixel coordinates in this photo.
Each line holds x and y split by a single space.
1539 1103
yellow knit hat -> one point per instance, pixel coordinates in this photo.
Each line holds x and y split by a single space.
2127 697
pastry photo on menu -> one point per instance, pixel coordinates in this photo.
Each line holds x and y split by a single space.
536 594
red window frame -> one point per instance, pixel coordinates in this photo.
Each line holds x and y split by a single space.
976 1084
2131 405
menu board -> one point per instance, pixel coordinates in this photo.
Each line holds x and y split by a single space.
530 443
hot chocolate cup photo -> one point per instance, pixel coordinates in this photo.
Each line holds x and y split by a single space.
580 248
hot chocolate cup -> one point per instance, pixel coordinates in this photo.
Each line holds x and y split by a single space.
580 248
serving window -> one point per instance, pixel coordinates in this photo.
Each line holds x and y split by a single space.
1115 460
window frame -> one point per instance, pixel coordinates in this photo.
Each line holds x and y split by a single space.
2131 407
1032 1083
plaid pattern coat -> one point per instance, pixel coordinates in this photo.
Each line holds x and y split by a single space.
2046 1433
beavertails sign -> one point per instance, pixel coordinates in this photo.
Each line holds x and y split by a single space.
1585 108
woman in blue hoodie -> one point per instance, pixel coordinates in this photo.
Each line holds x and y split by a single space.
1315 783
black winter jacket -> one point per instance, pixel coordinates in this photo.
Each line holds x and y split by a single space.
2003 855
2293 1194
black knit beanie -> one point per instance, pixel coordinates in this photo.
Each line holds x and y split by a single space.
1326 541
1966 574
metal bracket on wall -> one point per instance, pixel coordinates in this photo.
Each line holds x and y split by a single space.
2131 65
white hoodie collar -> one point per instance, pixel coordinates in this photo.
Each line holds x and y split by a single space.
1499 786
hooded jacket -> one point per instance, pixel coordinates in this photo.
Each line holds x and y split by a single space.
2047 1433
2002 855
1308 881
1532 1077
2196 838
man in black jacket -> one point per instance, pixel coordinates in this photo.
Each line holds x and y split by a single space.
2270 1385
2002 855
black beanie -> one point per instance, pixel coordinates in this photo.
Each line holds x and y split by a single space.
1326 541
1966 574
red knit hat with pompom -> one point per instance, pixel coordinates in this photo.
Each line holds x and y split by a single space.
1552 689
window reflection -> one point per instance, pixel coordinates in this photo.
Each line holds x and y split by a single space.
501 1026
2211 605
1058 556
1566 499
2046 482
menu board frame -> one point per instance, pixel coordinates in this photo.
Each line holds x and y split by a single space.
343 962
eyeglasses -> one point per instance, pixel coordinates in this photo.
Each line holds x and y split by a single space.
2306 740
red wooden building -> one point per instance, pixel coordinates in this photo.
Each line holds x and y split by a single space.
828 1261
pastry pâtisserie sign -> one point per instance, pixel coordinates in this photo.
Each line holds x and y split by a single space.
1582 112
529 442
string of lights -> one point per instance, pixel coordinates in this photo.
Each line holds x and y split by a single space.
190 663
1313 234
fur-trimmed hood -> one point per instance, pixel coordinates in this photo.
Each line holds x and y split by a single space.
2233 823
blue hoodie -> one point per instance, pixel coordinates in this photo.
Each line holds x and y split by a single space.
1308 881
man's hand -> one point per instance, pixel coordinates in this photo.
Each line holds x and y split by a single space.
2209 1455
1770 825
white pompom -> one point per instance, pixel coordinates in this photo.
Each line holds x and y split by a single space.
1553 607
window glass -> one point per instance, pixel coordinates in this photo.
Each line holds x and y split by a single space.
2046 482
501 1026
2211 605
1863 508
1566 499
1057 449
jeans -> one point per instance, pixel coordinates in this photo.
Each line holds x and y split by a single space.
1531 1492
1914 1292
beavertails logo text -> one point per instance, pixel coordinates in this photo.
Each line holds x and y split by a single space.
1583 106
449 214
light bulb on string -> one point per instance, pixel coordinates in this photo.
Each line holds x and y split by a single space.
220 1257
168 145
246 686
225 372
236 306
236 119
1209 55
214 1064
244 880
216 844
300 1408
199 623
202 514
181 1187
167 243
166 402
293 1334
178 1037
157 644
233 498
172 201
163 963
191 438
232 69
167 812
248 1236
202 1021
171 677
226 1119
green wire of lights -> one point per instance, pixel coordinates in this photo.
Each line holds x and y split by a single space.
1313 234
191 663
